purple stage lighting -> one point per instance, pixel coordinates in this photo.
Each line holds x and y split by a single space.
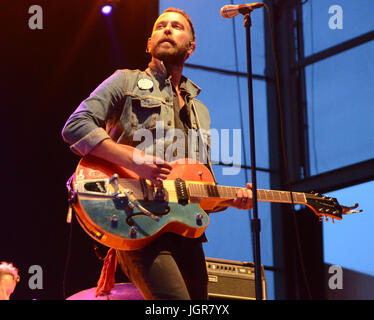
107 9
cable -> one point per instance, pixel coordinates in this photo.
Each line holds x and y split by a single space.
97 252
71 200
67 261
312 93
239 96
284 156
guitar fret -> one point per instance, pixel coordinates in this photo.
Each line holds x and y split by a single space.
222 191
280 196
283 196
300 197
259 194
202 191
267 195
226 192
275 195
191 190
262 195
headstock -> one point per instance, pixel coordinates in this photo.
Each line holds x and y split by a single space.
324 206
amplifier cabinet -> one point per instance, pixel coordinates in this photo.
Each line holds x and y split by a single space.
235 280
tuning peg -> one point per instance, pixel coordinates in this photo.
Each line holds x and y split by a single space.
314 192
353 211
349 210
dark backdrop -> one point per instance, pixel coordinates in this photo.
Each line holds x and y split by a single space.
45 74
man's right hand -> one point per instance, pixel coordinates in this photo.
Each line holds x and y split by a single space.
146 166
150 167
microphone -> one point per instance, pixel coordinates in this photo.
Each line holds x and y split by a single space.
231 10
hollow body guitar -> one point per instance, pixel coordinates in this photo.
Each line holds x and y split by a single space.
120 210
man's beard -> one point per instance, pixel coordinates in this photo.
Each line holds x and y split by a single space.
175 55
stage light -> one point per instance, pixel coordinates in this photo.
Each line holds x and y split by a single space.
106 9
108 6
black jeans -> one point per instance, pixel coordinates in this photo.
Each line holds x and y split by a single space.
170 268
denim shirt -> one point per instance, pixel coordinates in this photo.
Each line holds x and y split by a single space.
128 102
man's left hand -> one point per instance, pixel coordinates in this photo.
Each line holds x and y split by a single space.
243 198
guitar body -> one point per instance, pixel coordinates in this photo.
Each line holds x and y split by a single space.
120 210
112 221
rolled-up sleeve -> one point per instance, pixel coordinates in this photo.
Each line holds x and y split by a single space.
85 128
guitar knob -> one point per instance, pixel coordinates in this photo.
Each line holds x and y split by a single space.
132 232
199 219
114 221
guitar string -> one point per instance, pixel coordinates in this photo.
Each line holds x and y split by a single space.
200 190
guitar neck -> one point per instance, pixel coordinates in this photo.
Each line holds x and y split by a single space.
224 192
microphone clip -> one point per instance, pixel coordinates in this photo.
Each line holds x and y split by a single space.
245 9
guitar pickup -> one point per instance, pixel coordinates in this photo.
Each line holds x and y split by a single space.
182 194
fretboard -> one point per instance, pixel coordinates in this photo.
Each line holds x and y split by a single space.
212 191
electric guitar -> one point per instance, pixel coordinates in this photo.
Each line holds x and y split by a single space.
123 211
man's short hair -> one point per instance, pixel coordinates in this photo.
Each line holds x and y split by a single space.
184 14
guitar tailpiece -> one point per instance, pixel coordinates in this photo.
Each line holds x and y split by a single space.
133 203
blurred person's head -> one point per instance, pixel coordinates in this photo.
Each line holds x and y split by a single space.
8 280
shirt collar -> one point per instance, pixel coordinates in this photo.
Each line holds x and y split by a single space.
158 70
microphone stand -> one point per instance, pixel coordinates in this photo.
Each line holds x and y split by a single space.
255 221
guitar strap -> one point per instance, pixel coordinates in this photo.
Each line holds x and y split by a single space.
206 150
193 107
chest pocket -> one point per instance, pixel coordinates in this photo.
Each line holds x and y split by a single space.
145 112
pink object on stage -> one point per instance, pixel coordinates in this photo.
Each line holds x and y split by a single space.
120 291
